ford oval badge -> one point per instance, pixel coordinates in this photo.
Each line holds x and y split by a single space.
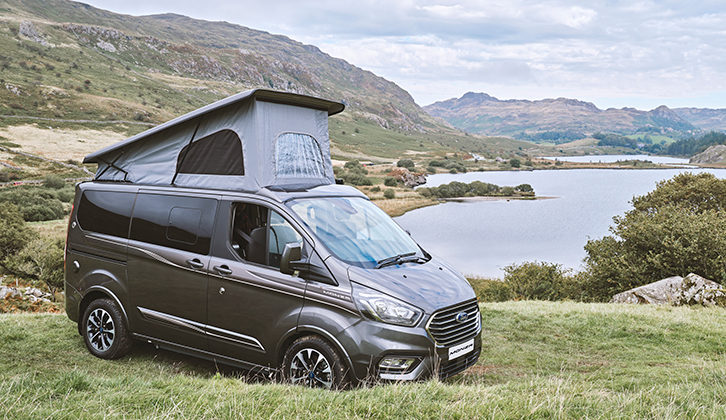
462 316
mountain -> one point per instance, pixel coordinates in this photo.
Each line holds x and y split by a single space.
69 63
704 118
558 119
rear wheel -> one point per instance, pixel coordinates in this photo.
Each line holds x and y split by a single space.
310 361
104 330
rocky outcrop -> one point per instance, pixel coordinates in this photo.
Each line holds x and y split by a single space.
27 30
691 290
714 154
408 178
30 294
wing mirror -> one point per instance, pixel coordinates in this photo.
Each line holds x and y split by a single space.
291 253
291 261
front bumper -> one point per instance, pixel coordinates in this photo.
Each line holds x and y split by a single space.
369 342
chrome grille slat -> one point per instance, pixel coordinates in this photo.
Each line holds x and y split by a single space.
446 330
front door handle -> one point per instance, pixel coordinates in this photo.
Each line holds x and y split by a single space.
195 263
223 270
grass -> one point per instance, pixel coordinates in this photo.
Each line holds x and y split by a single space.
539 360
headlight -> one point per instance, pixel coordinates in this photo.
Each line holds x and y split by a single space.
384 308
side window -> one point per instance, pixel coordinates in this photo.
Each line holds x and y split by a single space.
298 156
259 235
106 212
174 221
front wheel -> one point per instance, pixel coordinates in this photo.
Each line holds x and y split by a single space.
312 362
104 330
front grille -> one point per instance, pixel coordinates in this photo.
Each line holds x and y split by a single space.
452 368
446 330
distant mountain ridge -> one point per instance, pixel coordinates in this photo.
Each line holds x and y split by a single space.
567 119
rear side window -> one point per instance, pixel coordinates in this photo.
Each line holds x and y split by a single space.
106 212
174 221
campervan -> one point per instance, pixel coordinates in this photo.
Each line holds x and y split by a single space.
223 234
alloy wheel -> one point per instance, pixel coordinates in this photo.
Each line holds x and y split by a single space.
310 368
100 330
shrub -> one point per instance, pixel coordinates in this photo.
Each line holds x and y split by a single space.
491 290
376 189
524 188
356 179
14 233
406 163
537 280
674 230
38 203
389 194
42 259
390 181
515 163
8 174
54 181
431 170
437 163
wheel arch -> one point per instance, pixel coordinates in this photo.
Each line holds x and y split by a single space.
94 293
305 330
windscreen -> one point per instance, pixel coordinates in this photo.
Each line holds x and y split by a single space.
354 229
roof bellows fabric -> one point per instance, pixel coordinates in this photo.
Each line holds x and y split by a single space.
252 140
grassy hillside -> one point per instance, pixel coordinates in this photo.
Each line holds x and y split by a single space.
540 360
68 65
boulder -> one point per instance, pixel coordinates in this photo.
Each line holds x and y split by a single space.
691 290
714 154
409 179
8 292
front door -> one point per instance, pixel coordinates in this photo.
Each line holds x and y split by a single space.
250 303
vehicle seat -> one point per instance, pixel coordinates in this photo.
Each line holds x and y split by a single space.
256 247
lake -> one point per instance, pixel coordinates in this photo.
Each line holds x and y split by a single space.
482 237
666 160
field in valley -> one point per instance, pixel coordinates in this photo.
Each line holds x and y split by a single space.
539 360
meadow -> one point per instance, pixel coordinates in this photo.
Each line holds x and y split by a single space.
539 360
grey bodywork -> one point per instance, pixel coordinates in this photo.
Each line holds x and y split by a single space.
217 306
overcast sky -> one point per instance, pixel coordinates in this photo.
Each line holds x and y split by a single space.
613 53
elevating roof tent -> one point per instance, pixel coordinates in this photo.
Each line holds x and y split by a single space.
254 139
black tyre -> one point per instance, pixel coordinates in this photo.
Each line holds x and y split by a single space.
310 361
104 330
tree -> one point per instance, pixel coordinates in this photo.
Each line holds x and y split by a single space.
406 163
678 228
516 163
14 235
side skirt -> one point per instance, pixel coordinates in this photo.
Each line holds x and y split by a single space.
206 355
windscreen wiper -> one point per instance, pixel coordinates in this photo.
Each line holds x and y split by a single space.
398 259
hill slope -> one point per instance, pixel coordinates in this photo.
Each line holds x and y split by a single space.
63 60
539 360
558 119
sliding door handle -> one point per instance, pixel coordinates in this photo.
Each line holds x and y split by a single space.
195 263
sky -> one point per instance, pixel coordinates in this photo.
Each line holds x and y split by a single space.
613 53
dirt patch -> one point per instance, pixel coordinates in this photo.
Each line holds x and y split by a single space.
59 144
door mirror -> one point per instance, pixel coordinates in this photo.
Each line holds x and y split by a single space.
291 253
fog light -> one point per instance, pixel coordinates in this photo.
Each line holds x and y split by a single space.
396 364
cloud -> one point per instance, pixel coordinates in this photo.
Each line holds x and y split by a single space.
597 51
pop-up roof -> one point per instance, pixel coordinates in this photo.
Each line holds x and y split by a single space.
255 139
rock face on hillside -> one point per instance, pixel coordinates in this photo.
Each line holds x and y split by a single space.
714 154
409 179
691 290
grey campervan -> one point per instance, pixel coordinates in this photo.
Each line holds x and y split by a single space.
222 234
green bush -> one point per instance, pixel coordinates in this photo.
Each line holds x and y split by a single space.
537 280
376 189
54 181
37 203
14 233
515 163
42 259
431 170
356 179
389 194
524 188
406 163
491 290
459 189
390 181
674 230
7 175
437 163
